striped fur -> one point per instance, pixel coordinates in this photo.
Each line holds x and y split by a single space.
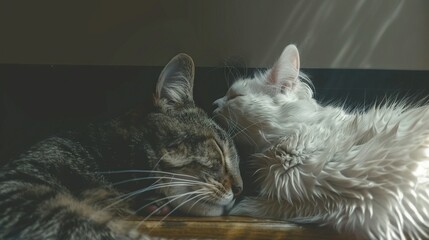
80 184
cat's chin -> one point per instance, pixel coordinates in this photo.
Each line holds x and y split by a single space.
206 209
200 205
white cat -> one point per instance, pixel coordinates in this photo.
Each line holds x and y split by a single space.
361 172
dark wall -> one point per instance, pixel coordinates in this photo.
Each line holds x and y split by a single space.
330 34
38 100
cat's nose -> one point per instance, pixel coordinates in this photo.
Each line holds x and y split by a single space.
217 103
236 190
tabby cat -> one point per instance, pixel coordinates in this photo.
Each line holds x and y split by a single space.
363 172
80 184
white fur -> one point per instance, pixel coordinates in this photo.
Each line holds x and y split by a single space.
365 172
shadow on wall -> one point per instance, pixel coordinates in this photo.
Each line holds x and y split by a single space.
352 32
330 34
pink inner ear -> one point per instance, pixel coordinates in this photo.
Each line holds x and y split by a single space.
295 62
282 83
272 76
285 77
285 72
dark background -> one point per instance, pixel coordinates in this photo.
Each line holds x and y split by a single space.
39 100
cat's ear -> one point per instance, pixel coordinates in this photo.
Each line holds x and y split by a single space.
175 83
285 71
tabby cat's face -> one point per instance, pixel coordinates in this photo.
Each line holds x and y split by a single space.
202 158
196 159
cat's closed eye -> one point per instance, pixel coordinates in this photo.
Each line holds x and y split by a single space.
233 95
177 141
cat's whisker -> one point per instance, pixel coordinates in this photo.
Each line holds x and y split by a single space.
153 203
201 194
203 200
138 179
147 189
158 178
145 171
232 125
156 185
207 196
165 185
244 132
157 163
231 70
233 122
158 200
175 183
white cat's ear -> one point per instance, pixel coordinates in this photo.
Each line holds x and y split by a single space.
285 71
175 83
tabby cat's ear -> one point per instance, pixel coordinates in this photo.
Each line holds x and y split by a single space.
175 83
285 71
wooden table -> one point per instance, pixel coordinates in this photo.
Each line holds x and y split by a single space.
232 228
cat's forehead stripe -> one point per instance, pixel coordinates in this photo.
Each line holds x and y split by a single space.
219 148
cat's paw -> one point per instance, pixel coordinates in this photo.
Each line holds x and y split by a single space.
138 235
249 206
123 230
241 208
156 207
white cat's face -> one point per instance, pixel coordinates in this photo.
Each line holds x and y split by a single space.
255 108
